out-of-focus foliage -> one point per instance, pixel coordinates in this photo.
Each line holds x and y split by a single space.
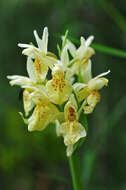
37 160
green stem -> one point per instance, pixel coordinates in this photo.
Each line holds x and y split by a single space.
75 181
80 110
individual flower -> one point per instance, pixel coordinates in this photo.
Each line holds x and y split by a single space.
80 55
84 52
43 114
71 130
58 89
42 58
33 91
33 79
88 91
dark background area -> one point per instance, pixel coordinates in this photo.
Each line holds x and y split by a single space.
37 160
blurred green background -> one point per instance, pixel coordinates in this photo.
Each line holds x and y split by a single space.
37 161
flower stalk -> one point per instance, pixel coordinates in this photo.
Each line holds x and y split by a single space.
75 180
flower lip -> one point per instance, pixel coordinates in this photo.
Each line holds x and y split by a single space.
72 116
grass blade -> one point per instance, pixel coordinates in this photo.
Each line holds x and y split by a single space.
109 50
113 13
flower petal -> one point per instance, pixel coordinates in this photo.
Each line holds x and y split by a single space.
39 96
41 70
72 132
58 91
89 41
42 43
70 111
91 102
86 71
32 52
64 56
102 74
38 40
31 70
87 53
19 80
71 71
78 86
83 93
43 114
24 45
71 47
97 83
58 128
45 39
28 102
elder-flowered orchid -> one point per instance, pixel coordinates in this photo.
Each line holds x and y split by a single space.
88 91
58 89
43 58
71 130
61 99
31 85
43 114
80 55
84 52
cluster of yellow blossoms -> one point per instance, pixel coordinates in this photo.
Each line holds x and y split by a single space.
70 91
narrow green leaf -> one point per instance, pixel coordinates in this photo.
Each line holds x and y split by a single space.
113 12
59 50
109 50
88 162
101 48
117 113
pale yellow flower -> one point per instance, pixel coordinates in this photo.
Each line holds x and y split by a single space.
43 58
34 76
88 91
33 51
58 89
84 52
80 56
34 92
71 129
33 96
43 114
91 102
